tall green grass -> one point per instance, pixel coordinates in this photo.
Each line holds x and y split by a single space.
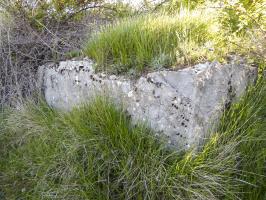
155 41
94 152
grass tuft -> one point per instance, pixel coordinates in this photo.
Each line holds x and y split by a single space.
154 41
95 152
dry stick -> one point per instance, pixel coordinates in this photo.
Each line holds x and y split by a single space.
46 44
54 34
89 7
14 73
160 4
51 34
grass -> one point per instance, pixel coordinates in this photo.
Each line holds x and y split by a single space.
154 41
94 152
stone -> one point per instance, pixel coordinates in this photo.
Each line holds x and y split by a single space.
183 105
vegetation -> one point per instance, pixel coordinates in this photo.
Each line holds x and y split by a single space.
154 41
171 36
43 10
242 15
167 34
31 35
94 152
38 32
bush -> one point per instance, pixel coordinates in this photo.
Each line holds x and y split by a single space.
24 46
173 6
94 152
240 16
245 24
46 10
154 40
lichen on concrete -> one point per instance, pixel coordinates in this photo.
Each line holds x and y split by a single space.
182 105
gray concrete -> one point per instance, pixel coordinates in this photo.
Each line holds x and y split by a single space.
183 105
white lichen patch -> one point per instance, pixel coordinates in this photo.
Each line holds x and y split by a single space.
183 105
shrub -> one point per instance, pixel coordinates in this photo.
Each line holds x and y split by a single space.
171 6
244 24
242 15
43 10
24 46
153 40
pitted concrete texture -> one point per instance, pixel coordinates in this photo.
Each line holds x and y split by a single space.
182 105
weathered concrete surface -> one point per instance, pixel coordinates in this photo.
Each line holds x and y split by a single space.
182 104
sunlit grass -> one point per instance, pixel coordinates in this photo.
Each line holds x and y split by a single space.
156 40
